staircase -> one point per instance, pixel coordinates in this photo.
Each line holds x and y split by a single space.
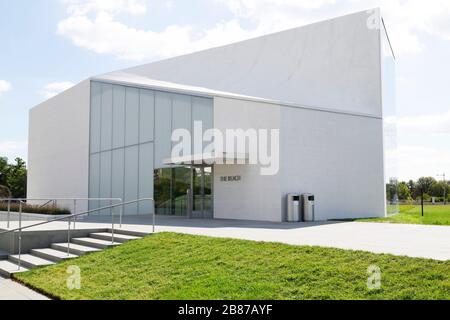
61 251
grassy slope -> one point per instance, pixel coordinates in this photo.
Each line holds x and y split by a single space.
434 215
174 266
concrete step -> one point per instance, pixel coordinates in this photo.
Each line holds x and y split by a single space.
122 238
95 243
52 254
75 249
29 261
7 268
130 233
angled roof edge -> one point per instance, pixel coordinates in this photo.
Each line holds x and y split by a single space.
126 79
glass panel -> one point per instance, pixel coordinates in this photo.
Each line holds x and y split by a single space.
146 177
131 178
181 183
96 103
202 205
146 115
389 124
208 192
105 181
162 191
202 110
132 116
118 168
197 194
163 128
94 180
106 114
118 116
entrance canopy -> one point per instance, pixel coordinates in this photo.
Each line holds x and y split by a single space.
209 159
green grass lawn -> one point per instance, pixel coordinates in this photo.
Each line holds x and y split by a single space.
175 266
434 215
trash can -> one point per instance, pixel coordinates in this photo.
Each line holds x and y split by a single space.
308 204
293 207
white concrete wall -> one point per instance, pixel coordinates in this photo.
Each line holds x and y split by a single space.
337 157
58 152
333 64
255 197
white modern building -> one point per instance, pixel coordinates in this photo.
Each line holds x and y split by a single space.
327 87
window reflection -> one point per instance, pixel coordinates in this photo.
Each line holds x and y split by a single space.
170 191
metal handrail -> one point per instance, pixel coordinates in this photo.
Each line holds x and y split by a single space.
69 218
55 200
45 204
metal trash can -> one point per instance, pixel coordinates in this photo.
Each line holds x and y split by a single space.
293 207
308 204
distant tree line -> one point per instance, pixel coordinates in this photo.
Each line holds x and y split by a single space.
13 178
412 190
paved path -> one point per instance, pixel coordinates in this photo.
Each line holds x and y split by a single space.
419 241
432 242
10 290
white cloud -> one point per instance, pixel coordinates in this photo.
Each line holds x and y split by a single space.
83 7
96 25
5 86
52 89
13 149
405 19
105 35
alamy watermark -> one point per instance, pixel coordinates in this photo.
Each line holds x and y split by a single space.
374 279
374 19
74 280
230 146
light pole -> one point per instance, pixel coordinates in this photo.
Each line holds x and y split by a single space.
445 187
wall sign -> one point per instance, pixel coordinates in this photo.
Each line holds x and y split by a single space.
230 178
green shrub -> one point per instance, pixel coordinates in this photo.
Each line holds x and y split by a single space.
4 192
26 208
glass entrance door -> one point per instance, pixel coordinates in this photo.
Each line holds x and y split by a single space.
202 192
171 186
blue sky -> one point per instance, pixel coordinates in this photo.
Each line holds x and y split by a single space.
48 45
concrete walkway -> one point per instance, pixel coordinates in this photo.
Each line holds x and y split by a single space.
10 290
419 241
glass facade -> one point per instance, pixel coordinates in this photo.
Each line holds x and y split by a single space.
389 122
130 138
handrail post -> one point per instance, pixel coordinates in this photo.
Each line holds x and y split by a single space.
112 221
68 237
121 214
20 232
74 212
9 212
152 202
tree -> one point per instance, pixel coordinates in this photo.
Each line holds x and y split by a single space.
403 191
16 179
437 190
425 184
4 168
412 187
4 192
